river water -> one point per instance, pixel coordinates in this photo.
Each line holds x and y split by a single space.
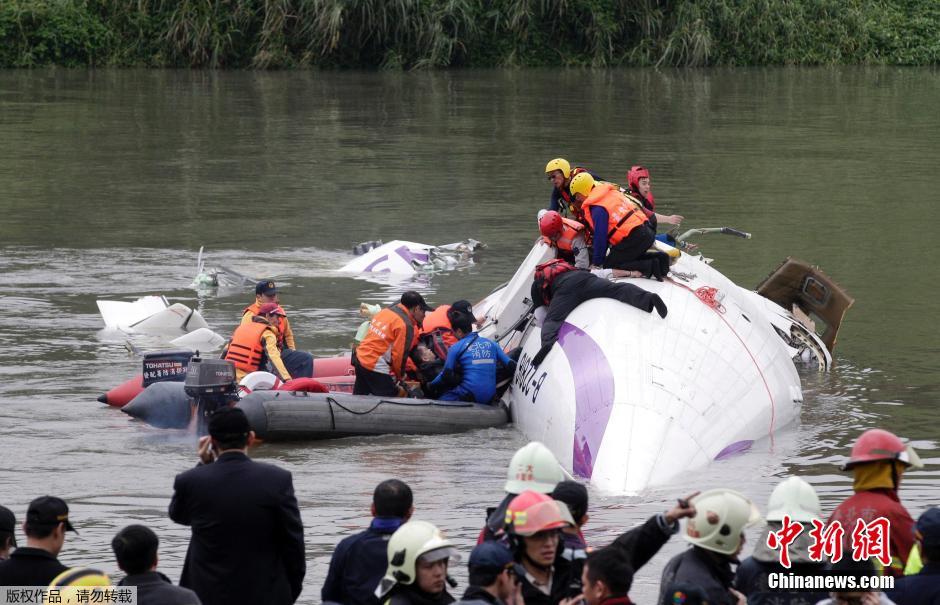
110 181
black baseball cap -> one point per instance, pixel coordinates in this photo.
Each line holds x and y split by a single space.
228 423
265 287
411 299
8 522
463 306
575 495
48 511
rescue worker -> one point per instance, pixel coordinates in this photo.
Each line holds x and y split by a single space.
560 173
796 499
470 369
573 548
437 333
382 357
563 288
255 342
567 236
607 578
298 363
619 223
418 556
533 467
922 588
877 462
638 181
79 585
716 533
534 522
495 578
533 525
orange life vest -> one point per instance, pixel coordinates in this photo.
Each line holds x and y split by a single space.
569 231
437 333
254 307
547 273
246 350
623 216
392 331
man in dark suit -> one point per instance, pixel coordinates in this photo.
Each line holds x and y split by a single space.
247 541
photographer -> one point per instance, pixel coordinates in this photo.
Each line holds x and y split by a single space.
495 578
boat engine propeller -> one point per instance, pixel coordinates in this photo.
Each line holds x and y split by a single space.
211 385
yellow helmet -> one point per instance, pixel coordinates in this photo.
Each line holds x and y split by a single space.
75 584
582 183
558 164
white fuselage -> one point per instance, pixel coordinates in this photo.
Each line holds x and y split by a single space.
628 399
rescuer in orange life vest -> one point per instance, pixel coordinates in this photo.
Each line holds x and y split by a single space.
617 222
383 355
255 342
298 363
567 236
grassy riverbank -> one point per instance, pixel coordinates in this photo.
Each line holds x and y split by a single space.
406 34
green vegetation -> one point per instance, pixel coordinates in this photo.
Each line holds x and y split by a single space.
409 34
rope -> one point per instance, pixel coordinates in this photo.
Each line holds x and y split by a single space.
709 296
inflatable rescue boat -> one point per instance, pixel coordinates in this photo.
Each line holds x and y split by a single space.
307 415
627 399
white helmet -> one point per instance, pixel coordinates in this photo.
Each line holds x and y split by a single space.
533 467
796 498
720 517
258 381
412 541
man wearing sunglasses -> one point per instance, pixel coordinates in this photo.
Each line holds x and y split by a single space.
495 578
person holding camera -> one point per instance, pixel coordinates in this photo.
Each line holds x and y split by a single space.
495 578
247 542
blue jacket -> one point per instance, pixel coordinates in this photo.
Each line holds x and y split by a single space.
358 564
475 358
920 589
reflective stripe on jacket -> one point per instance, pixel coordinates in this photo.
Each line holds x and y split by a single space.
623 215
392 335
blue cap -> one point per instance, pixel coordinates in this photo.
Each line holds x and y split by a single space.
928 527
265 287
490 555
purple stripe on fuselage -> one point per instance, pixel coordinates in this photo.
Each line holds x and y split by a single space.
735 448
380 259
593 395
410 256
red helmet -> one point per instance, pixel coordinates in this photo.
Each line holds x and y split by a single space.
878 444
550 224
636 173
531 512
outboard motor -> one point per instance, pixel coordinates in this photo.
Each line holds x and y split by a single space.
211 384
